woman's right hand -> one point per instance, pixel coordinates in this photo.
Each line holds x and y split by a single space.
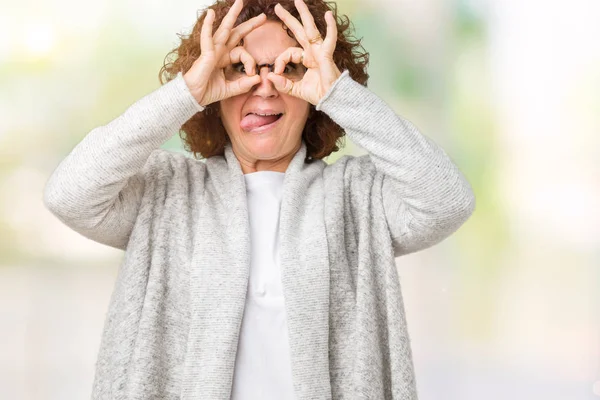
206 78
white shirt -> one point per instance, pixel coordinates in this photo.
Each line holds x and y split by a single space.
263 366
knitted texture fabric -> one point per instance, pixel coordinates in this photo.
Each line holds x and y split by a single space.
172 327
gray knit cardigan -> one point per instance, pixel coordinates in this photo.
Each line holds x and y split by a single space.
172 327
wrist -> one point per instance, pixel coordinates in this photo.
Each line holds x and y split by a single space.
195 91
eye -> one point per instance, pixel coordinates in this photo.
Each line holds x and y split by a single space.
289 68
239 67
294 70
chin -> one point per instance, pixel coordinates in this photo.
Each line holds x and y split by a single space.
266 147
264 151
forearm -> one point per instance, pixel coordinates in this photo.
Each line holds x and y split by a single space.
425 194
106 165
395 144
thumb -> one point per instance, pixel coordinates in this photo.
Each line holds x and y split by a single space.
242 85
281 83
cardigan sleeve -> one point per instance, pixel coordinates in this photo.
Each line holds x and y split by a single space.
425 196
97 189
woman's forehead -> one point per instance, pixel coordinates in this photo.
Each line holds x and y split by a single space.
268 41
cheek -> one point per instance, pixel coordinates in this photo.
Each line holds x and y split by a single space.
301 111
227 108
230 110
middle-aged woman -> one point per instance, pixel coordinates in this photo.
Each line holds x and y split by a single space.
261 272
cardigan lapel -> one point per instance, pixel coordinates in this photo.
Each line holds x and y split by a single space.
305 275
218 281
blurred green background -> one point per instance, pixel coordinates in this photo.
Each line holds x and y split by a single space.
507 308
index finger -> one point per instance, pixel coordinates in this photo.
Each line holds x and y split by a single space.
238 55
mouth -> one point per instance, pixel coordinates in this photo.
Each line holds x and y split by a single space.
257 123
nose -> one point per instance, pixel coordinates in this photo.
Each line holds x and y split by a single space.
265 88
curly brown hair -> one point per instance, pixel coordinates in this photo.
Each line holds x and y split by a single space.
205 134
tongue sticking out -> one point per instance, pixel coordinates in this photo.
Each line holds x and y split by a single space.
252 121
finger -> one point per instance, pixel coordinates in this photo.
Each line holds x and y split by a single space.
240 54
291 54
307 19
245 28
292 23
228 21
282 84
332 33
206 42
241 85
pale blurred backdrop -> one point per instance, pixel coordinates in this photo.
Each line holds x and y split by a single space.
507 308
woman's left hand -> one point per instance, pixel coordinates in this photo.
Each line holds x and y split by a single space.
316 54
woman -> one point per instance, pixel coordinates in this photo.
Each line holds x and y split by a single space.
263 272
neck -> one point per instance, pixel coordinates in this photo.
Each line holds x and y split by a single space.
265 165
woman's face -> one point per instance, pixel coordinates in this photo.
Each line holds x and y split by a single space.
269 147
